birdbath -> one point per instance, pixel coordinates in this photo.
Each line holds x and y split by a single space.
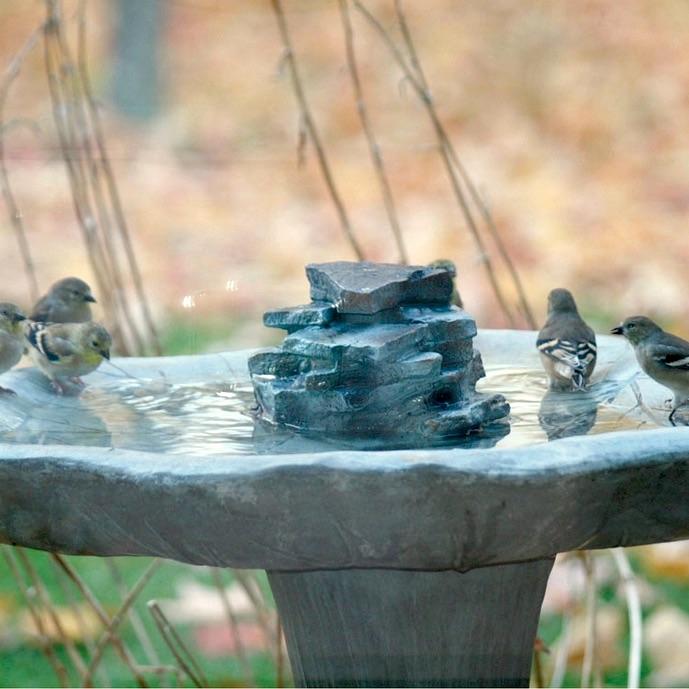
406 567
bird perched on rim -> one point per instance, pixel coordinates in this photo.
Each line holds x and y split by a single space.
11 338
67 351
67 301
661 355
450 267
566 344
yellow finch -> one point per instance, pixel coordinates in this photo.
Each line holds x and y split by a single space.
67 351
11 337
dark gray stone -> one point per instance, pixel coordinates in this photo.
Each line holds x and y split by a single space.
395 360
449 323
423 365
371 287
375 627
276 362
356 345
297 317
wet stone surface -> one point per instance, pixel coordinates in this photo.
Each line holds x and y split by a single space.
379 353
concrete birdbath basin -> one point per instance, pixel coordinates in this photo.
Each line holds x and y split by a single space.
404 567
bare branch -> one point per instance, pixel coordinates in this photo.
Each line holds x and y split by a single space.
473 192
249 679
374 148
425 97
631 592
310 126
97 608
113 191
46 644
177 647
110 633
13 211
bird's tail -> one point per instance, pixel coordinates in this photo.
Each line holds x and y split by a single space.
578 379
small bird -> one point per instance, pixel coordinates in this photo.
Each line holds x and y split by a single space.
67 351
11 338
450 267
662 356
566 344
67 301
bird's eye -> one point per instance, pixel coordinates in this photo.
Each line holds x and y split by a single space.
94 343
631 326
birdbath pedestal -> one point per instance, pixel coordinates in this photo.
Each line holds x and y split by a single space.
416 567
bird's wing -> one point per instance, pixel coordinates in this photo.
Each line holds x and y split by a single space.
572 353
41 310
575 354
672 353
49 344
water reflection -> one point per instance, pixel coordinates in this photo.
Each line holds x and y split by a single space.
71 422
563 414
203 406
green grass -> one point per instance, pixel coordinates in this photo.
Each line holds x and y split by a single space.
23 664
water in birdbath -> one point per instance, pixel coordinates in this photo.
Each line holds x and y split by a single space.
203 405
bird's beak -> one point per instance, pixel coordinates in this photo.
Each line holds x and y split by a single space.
617 330
19 317
91 298
105 353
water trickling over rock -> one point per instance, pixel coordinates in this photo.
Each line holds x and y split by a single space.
379 352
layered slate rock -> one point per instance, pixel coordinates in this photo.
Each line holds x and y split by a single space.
380 352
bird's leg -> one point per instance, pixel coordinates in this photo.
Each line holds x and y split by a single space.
671 417
77 381
6 391
58 387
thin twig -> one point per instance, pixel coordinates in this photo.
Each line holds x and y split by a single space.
45 643
137 623
177 646
427 101
310 126
113 191
116 620
473 191
631 593
118 644
588 665
562 653
90 206
249 679
255 595
374 148
13 211
279 656
48 606
76 606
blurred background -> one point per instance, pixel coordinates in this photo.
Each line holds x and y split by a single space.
570 118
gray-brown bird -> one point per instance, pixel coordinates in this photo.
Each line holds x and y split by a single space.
11 338
566 344
67 351
661 355
67 301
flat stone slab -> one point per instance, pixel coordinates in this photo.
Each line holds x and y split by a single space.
366 288
296 317
354 345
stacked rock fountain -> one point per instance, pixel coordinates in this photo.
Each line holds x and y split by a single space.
379 353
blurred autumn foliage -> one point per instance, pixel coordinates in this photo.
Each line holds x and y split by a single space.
570 117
